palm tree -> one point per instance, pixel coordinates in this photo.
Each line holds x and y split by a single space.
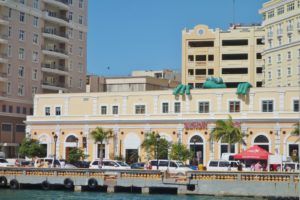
296 130
100 135
227 132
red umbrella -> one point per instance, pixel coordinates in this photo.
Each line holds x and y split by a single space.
253 153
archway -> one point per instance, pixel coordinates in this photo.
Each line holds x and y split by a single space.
132 143
45 143
71 142
291 143
262 141
197 147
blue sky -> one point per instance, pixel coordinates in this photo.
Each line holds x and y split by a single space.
127 35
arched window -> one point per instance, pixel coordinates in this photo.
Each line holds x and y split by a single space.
71 138
263 142
196 139
197 147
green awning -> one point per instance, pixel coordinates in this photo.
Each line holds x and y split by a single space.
243 88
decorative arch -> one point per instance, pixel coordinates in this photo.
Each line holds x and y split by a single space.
196 143
262 140
69 143
131 149
45 140
71 138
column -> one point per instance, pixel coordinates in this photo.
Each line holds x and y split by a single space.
277 139
219 102
251 102
36 100
57 132
155 105
187 105
86 134
281 101
66 106
211 142
116 140
124 105
244 129
95 107
179 134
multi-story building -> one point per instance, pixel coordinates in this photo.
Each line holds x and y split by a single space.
128 84
164 74
281 22
266 116
234 55
42 50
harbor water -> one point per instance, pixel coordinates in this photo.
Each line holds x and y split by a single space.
7 194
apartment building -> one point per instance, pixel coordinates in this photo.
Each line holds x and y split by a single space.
42 50
128 84
234 55
281 22
164 74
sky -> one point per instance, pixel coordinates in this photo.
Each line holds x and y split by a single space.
127 35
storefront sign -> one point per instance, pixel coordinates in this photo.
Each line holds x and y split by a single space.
195 125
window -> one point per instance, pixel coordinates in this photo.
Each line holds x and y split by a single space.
34 74
20 128
289 55
258 56
165 107
270 75
103 110
70 16
36 4
21 71
70 81
8 86
47 111
80 35
280 10
80 51
35 56
243 56
80 19
9 31
8 69
270 44
279 41
35 38
234 42
290 38
21 90
18 109
210 57
6 127
259 41
267 106
200 71
177 107
22 2
289 71
278 58
190 72
35 21
80 68
234 106
201 44
9 51
80 83
24 110
140 109
296 105
22 17
21 53
200 57
203 107
210 71
3 108
70 49
9 12
70 2
57 111
235 71
278 73
269 60
115 110
290 6
34 90
21 35
80 5
271 14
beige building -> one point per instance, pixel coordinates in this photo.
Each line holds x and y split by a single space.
266 117
234 55
128 84
42 50
281 22
164 74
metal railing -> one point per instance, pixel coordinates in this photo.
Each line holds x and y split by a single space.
56 15
62 85
53 66
55 49
54 32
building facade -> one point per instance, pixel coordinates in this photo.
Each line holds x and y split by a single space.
281 22
42 50
266 116
163 74
234 55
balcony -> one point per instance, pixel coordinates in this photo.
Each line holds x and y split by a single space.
53 86
4 20
56 18
55 69
62 4
270 35
3 57
3 77
55 52
289 29
3 39
298 26
53 34
279 33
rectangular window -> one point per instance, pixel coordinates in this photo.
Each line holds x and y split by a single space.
210 71
258 56
103 110
80 5
9 51
177 108
35 56
18 109
3 108
24 110
140 109
21 53
80 19
270 75
200 57
203 107
271 14
267 106
47 111
259 41
115 110
6 127
34 74
201 44
80 35
165 107
278 73
9 69
235 42
36 4
259 70
290 6
70 16
242 56
22 17
234 106
21 90
280 10
20 128
21 71
235 71
8 86
35 21
278 58
80 51
190 58
210 57
80 68
22 2
35 38
296 105
289 71
200 71
9 31
57 111
289 55
34 90
21 35
10 109
9 12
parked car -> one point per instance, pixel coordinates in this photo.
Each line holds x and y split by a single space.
81 164
23 163
291 167
109 164
173 166
139 165
52 163
3 163
222 165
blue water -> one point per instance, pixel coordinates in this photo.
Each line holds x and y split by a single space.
7 194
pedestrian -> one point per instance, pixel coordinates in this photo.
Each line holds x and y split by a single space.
252 167
257 167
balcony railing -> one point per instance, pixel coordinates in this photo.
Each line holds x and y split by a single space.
270 34
53 66
54 49
63 1
54 32
62 85
56 15
279 32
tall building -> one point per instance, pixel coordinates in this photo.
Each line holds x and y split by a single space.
234 55
42 50
164 74
281 22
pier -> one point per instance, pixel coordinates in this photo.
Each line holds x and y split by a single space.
264 184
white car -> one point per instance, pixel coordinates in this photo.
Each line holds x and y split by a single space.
52 163
220 165
3 162
291 167
173 166
109 164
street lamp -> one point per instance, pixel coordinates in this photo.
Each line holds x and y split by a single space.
157 142
55 140
194 141
76 141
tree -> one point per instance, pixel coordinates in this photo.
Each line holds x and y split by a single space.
76 154
180 152
296 130
153 145
226 131
31 148
100 135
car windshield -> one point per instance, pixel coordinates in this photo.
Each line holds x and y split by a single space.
122 164
180 164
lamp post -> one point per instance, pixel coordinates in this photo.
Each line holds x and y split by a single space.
157 143
195 155
55 140
76 141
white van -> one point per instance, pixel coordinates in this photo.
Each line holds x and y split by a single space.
109 164
173 166
222 165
